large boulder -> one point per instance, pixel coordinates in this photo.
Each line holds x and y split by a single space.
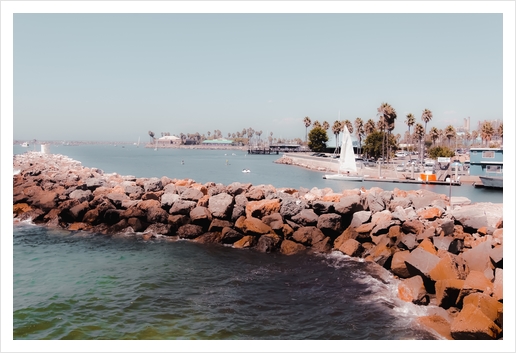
153 184
306 217
254 226
81 195
291 206
220 205
268 243
413 290
192 194
182 207
201 216
348 205
472 323
189 231
471 218
421 262
259 209
289 247
308 235
330 224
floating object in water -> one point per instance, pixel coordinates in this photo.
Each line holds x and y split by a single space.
246 171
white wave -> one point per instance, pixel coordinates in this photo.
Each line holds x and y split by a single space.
16 171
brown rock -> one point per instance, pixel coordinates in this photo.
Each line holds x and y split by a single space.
498 285
398 266
230 236
421 262
209 238
413 290
289 247
308 235
449 267
412 226
268 243
246 242
430 213
472 323
487 304
189 231
475 282
217 225
351 247
447 291
427 245
275 221
259 209
478 258
438 324
306 217
78 226
254 226
330 223
349 233
20 208
323 246
200 216
136 224
365 228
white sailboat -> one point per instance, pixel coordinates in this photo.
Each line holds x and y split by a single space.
347 165
156 147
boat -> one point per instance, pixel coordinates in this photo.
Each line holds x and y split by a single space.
492 181
25 144
347 164
246 171
137 144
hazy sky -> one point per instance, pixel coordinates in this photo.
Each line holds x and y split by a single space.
116 76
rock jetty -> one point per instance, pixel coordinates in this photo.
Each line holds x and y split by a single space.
447 257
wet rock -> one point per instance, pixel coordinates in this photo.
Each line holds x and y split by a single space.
217 225
308 235
398 266
268 243
351 247
209 238
413 290
247 241
189 231
289 247
230 235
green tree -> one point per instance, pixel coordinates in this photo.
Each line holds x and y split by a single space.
377 143
317 139
440 151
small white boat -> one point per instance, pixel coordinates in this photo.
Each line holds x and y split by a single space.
347 164
25 144
246 171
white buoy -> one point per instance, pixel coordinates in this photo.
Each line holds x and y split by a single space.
45 148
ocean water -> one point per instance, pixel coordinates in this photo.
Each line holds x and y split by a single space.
82 286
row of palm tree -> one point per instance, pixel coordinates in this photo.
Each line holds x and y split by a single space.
386 123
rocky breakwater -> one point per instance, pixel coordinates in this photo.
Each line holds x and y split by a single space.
448 258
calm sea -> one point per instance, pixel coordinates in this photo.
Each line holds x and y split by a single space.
80 286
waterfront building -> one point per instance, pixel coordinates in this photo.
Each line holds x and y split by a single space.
484 161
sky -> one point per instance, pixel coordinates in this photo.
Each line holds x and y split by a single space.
114 77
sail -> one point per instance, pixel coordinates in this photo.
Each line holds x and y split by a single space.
347 156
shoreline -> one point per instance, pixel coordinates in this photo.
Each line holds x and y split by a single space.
326 165
447 256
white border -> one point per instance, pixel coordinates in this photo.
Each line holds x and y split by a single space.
8 8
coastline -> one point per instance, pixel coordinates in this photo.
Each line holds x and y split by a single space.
395 230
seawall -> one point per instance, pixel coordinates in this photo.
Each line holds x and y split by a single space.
447 257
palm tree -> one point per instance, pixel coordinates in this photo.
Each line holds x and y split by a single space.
336 128
500 131
419 134
410 122
349 125
325 125
486 132
449 132
426 117
388 114
474 136
359 126
369 126
307 122
467 137
434 134
151 134
317 123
